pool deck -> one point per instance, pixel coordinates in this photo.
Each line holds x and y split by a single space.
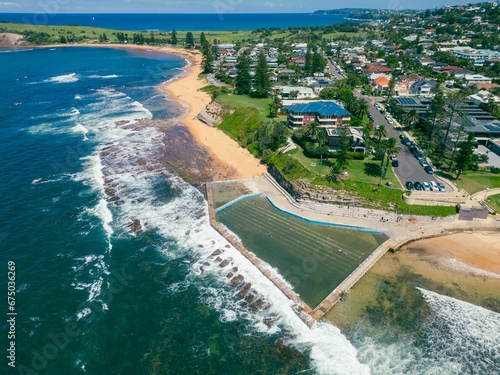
401 229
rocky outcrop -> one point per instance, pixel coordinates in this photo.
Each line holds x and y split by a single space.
12 40
211 115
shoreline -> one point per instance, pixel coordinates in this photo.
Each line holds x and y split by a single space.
235 161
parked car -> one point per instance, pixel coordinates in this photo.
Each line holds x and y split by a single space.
395 163
441 186
418 186
434 186
426 186
429 169
409 185
421 161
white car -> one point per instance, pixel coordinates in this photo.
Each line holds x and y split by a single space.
426 185
434 186
441 186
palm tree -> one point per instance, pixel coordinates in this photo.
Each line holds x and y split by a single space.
391 148
412 117
362 107
380 132
312 130
322 138
335 173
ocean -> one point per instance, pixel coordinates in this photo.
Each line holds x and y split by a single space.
111 244
218 20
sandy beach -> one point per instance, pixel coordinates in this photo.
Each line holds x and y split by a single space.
241 163
235 161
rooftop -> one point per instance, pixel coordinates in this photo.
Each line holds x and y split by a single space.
323 108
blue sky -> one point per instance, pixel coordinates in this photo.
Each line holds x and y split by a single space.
208 6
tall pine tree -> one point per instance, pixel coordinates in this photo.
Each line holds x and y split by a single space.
173 37
243 81
189 40
262 82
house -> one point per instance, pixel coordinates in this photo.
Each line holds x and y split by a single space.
471 79
483 97
410 78
295 92
425 61
485 86
299 61
326 113
461 73
402 88
423 87
334 134
378 69
380 84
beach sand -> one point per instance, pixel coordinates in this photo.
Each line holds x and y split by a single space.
465 266
241 163
234 162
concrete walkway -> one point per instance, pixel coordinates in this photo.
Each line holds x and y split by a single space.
401 229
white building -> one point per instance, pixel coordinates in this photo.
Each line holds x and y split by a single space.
483 97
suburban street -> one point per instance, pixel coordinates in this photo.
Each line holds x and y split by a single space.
409 168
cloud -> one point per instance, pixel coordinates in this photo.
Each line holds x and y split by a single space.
268 4
7 4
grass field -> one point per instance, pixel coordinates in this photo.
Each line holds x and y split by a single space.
473 182
494 202
358 170
243 101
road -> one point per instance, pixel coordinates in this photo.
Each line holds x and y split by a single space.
409 168
333 70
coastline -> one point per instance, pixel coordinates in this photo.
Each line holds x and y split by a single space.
186 89
235 161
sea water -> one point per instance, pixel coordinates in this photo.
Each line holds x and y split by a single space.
108 242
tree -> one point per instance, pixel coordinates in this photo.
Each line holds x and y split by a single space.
344 146
391 148
208 59
362 108
411 117
189 39
173 37
308 63
274 106
62 39
293 94
318 63
262 82
380 132
335 173
454 110
243 81
203 39
463 159
312 130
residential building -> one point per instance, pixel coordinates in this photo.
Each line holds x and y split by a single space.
295 92
471 79
423 88
356 137
483 97
380 84
326 113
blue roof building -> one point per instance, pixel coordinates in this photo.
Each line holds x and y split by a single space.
324 112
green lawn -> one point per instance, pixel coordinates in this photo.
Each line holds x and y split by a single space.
358 170
243 101
473 182
494 202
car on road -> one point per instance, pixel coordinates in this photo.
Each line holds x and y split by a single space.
421 161
409 185
426 186
441 186
429 169
434 186
418 186
395 163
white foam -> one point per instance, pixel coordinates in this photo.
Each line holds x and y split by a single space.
95 76
65 78
79 128
460 266
82 314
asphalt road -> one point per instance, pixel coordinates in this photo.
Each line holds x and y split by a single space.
409 168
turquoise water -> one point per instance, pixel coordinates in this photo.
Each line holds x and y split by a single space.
314 259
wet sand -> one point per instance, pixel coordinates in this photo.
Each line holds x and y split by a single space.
187 89
234 162
465 266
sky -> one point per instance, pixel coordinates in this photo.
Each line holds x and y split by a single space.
209 6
